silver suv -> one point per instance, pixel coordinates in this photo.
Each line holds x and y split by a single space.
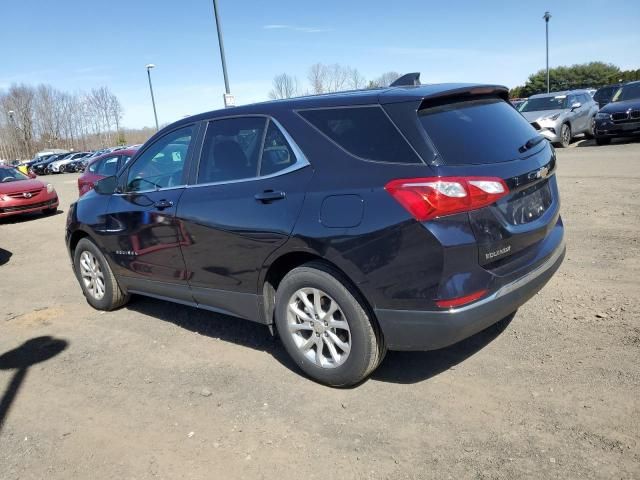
560 116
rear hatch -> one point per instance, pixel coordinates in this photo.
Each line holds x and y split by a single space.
484 136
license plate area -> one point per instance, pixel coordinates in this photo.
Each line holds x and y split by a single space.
528 205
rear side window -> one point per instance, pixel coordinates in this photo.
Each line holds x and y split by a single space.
231 149
480 131
365 132
276 153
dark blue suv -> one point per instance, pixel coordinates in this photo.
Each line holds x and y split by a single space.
404 218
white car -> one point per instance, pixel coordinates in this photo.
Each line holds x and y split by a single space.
54 167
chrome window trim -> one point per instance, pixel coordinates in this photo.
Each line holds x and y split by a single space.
301 159
137 192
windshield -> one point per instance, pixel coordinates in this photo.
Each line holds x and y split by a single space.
11 175
604 94
537 104
627 92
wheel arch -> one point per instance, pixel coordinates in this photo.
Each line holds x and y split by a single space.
287 261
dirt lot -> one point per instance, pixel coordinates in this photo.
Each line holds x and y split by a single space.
157 390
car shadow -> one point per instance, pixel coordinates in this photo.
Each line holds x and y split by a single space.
397 367
614 141
28 217
31 352
214 325
5 255
414 367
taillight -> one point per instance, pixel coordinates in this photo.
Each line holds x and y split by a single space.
427 198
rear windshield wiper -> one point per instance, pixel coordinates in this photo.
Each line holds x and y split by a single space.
532 142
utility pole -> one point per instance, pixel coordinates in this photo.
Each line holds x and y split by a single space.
229 100
546 17
153 100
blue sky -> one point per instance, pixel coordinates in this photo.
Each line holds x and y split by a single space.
81 44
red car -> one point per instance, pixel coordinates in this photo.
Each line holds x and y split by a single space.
103 166
20 193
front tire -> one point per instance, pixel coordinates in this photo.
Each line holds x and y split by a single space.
565 135
325 327
97 281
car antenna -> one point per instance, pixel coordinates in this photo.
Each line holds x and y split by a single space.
408 79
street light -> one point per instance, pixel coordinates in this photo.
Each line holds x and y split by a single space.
149 66
546 17
229 100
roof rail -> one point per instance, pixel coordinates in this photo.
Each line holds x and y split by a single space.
408 79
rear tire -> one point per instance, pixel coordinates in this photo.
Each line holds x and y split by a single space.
96 279
603 140
325 326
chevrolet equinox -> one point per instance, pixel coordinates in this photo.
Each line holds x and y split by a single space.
402 218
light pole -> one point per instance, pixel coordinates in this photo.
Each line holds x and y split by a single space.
546 17
229 100
149 66
14 134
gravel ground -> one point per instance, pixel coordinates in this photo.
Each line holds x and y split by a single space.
157 390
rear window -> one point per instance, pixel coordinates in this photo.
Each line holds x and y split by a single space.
479 131
365 132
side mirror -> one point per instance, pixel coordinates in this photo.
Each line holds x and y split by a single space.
575 106
31 174
107 185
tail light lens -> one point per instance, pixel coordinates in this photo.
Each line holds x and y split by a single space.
428 198
459 301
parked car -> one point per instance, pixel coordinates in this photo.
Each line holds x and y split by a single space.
560 116
58 165
620 117
352 223
517 102
103 166
604 94
21 194
41 167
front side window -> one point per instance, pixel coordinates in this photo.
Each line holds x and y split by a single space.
231 149
162 164
365 132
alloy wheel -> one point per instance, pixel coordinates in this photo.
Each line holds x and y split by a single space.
92 275
318 327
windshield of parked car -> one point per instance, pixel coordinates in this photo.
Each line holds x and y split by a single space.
604 94
552 102
630 91
11 175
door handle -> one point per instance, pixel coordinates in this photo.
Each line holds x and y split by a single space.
269 196
162 204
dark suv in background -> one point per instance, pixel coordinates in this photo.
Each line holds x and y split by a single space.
620 117
404 218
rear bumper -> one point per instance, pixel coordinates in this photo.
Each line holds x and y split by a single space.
430 330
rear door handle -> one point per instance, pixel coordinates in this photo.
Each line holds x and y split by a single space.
162 204
269 196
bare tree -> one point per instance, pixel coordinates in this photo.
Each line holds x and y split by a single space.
384 80
284 86
356 80
317 77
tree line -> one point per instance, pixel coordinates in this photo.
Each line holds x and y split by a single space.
586 75
34 118
326 79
